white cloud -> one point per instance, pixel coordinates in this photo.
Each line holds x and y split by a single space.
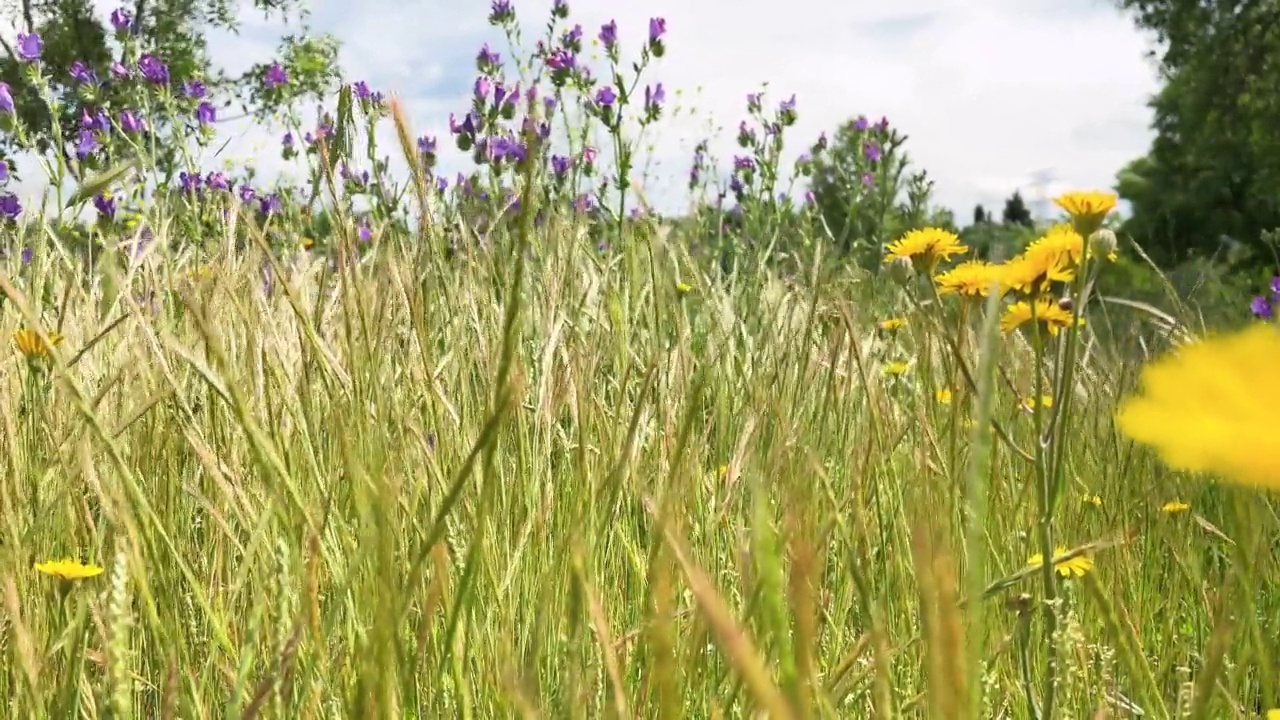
989 91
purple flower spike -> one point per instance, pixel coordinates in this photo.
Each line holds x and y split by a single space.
6 98
872 151
87 144
606 97
657 28
195 89
105 204
81 73
131 123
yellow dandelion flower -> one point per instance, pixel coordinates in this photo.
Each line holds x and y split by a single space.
68 569
1048 314
926 247
943 395
1087 209
1076 566
1210 407
893 323
896 367
683 288
1032 274
1273 714
1094 500
1174 506
1061 244
972 279
1089 204
31 346
308 243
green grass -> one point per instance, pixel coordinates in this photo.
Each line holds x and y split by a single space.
549 484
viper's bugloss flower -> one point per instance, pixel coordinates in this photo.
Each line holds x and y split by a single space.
131 122
30 47
500 12
87 144
861 123
121 20
1261 307
606 97
872 151
206 113
105 204
6 99
275 76
153 69
82 73
657 28
10 208
609 35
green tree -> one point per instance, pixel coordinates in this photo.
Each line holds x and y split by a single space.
980 215
1211 177
78 44
1016 212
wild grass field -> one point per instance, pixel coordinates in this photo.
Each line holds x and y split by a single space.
574 465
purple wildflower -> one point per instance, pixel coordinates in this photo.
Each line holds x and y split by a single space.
87 144
657 28
6 98
153 69
605 97
1261 307
487 59
30 47
609 35
861 123
121 20
119 71
195 89
206 113
4 171
500 12
246 194
269 204
190 182
560 164
1275 285
653 99
275 76
105 204
365 232
872 151
11 208
130 122
82 74
216 180
360 89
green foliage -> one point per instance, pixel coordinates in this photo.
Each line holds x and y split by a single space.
1213 170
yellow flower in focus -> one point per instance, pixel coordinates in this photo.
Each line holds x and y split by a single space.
943 396
1076 566
68 569
893 323
1174 506
1210 407
1061 244
926 247
896 367
1090 205
1047 313
31 346
1032 274
972 279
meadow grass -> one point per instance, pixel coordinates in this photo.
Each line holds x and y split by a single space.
548 482
550 459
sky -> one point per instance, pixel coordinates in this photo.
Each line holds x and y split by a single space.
994 96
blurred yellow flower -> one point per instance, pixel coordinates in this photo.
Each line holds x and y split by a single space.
943 396
1210 407
974 279
31 346
683 288
1046 401
1094 500
1076 566
1047 313
893 323
1174 506
68 569
308 243
1273 714
896 367
926 247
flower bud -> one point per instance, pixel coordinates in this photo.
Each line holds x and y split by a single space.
901 270
1103 243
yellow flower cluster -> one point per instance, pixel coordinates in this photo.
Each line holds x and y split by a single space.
1055 257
